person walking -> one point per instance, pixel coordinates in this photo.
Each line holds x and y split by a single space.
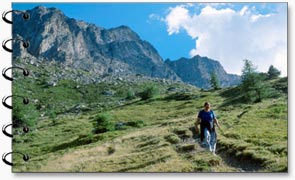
207 120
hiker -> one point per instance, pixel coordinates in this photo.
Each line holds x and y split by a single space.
207 119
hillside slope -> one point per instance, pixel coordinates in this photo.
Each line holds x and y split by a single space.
254 136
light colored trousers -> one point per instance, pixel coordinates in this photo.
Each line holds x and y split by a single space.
210 140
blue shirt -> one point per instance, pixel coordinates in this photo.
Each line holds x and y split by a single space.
206 116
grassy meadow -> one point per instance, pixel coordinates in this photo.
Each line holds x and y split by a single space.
157 133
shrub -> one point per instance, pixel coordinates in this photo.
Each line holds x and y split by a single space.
120 126
24 114
136 123
129 124
103 123
130 94
148 92
282 85
52 116
111 150
120 91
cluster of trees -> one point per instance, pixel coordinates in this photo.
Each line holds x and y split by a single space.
253 84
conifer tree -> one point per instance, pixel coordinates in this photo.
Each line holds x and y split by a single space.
214 81
273 72
252 83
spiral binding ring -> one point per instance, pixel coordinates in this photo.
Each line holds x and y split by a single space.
25 101
26 16
25 158
25 44
25 72
25 130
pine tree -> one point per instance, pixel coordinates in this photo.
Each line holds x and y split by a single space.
273 72
214 81
252 83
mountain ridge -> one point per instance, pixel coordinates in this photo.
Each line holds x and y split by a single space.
191 69
119 50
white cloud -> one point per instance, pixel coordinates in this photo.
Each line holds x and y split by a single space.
230 35
255 17
215 5
155 17
244 10
210 11
177 17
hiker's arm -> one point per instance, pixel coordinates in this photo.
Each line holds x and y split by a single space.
216 122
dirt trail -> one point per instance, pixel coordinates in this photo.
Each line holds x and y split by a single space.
127 146
242 165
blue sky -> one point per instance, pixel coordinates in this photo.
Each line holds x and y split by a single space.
136 16
227 32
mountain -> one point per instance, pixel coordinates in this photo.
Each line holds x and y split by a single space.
53 36
119 51
197 71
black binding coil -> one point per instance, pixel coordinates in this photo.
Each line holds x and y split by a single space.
25 101
25 130
25 72
25 44
25 157
26 16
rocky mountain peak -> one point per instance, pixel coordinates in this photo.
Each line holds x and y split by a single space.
119 34
197 71
56 37
42 13
119 50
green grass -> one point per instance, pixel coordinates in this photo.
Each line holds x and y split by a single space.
253 136
260 135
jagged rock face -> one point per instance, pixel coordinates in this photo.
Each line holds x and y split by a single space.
197 71
53 36
118 51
